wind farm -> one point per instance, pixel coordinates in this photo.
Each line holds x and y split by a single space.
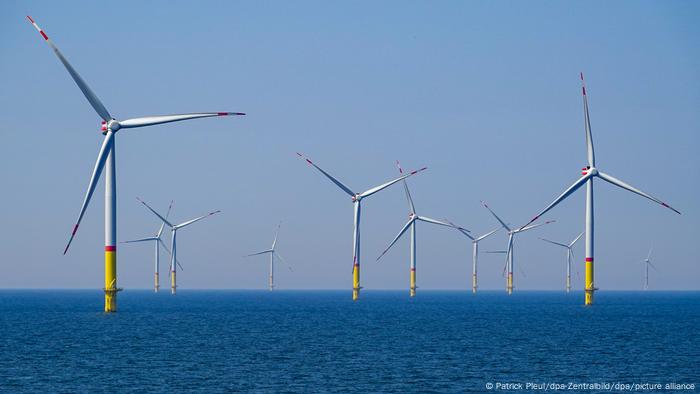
235 271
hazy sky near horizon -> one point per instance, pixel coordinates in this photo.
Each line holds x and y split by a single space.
486 94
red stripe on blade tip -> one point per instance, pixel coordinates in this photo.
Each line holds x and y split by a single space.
30 18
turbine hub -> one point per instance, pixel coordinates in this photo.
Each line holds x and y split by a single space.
589 170
356 197
111 125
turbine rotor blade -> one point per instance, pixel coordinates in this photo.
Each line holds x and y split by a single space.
488 234
329 176
534 226
408 193
87 92
140 240
561 197
403 230
155 213
187 223
433 221
587 120
154 120
274 242
505 226
617 182
387 184
259 253
283 260
555 243
571 245
461 230
162 225
94 178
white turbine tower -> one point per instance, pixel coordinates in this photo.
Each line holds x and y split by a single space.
475 252
509 249
356 202
173 244
106 161
413 217
569 256
647 264
158 242
273 252
589 173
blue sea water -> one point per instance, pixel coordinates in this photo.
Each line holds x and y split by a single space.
321 341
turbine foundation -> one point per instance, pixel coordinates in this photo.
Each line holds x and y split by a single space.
509 285
173 285
590 288
110 288
355 282
412 288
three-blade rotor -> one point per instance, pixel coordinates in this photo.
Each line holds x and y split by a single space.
111 125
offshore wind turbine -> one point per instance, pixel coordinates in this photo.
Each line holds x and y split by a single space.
106 161
158 242
356 202
272 251
413 218
509 250
475 251
569 256
173 243
647 264
589 173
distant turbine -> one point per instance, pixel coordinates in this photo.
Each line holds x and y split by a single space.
589 173
106 161
158 242
173 244
569 256
412 219
272 251
356 199
509 249
647 264
475 252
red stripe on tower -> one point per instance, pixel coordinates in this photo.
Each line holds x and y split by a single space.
110 248
589 259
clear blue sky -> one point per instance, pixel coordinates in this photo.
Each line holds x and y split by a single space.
484 93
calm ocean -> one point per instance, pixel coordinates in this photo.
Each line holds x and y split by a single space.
321 341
